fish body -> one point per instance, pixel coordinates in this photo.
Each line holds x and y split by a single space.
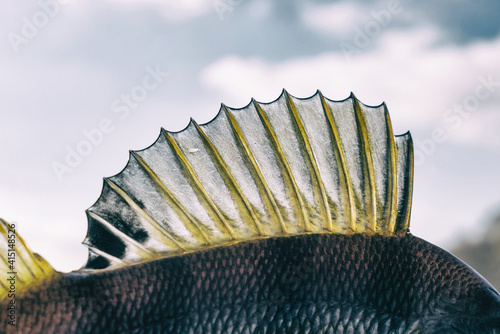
286 217
303 284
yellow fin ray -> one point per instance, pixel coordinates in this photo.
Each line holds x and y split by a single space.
288 167
20 267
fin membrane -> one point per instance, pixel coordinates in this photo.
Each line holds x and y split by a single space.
20 267
288 167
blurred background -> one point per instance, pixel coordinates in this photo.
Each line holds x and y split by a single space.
83 82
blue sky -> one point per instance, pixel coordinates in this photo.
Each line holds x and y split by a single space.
67 66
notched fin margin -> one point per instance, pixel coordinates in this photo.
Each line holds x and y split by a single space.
291 166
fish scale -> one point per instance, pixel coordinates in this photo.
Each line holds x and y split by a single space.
270 285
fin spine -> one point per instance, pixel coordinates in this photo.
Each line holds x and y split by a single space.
28 258
289 167
312 161
244 145
153 223
30 268
112 259
177 206
392 182
346 189
284 166
227 175
197 184
130 242
408 186
4 231
367 163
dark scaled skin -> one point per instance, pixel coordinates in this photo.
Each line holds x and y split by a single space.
317 283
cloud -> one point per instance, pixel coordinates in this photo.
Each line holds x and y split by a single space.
64 80
464 22
174 10
339 18
418 77
422 79
481 129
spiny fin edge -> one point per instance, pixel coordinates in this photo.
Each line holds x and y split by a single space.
291 166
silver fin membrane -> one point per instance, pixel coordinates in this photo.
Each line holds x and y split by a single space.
292 166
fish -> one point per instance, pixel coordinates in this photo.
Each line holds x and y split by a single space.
291 216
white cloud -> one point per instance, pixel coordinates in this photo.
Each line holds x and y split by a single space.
338 18
479 129
174 10
419 79
258 9
64 79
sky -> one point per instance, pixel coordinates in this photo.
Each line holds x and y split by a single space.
84 82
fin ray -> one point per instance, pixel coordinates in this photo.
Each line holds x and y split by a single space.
288 167
198 187
162 234
229 178
392 181
314 171
189 221
19 261
286 171
370 188
255 167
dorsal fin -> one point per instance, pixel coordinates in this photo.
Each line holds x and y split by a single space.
292 166
20 267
